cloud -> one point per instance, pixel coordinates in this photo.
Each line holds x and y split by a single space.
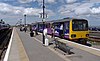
95 10
94 1
68 8
83 9
9 9
80 9
71 1
36 12
13 10
50 1
39 1
25 1
89 8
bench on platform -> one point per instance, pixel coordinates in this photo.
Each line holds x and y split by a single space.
63 46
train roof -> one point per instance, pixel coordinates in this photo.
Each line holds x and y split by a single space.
44 22
59 20
62 20
66 19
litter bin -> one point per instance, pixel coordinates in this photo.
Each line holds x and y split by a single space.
31 34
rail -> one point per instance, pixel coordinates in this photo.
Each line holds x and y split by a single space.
4 40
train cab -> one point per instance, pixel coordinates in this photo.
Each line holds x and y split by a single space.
73 29
79 29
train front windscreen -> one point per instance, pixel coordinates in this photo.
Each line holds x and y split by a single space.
79 25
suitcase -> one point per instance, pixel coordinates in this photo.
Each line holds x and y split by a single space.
31 34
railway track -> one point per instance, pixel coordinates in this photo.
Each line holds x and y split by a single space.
95 36
4 40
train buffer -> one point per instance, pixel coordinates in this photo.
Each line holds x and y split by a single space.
63 46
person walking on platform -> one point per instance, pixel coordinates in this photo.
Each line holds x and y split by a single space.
31 31
36 30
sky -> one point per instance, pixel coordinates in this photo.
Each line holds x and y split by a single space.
12 11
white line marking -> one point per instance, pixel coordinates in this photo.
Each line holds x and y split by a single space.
92 50
9 47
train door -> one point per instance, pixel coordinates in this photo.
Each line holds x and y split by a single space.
57 28
37 26
49 28
66 30
61 32
40 27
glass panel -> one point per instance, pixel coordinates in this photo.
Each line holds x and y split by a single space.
79 25
67 25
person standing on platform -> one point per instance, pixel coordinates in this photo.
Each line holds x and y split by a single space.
52 31
61 30
46 42
25 28
45 32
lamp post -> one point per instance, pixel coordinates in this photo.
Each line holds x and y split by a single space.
43 22
25 20
20 22
25 23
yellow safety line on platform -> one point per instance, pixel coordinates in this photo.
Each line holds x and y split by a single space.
22 52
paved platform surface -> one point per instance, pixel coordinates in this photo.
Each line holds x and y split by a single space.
79 55
35 51
17 52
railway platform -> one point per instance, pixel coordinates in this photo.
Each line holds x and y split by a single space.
26 48
16 51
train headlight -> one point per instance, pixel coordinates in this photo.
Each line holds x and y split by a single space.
73 35
87 35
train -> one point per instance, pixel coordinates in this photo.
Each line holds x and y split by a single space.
4 26
72 29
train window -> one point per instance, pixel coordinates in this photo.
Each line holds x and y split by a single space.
79 25
56 25
67 25
40 26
